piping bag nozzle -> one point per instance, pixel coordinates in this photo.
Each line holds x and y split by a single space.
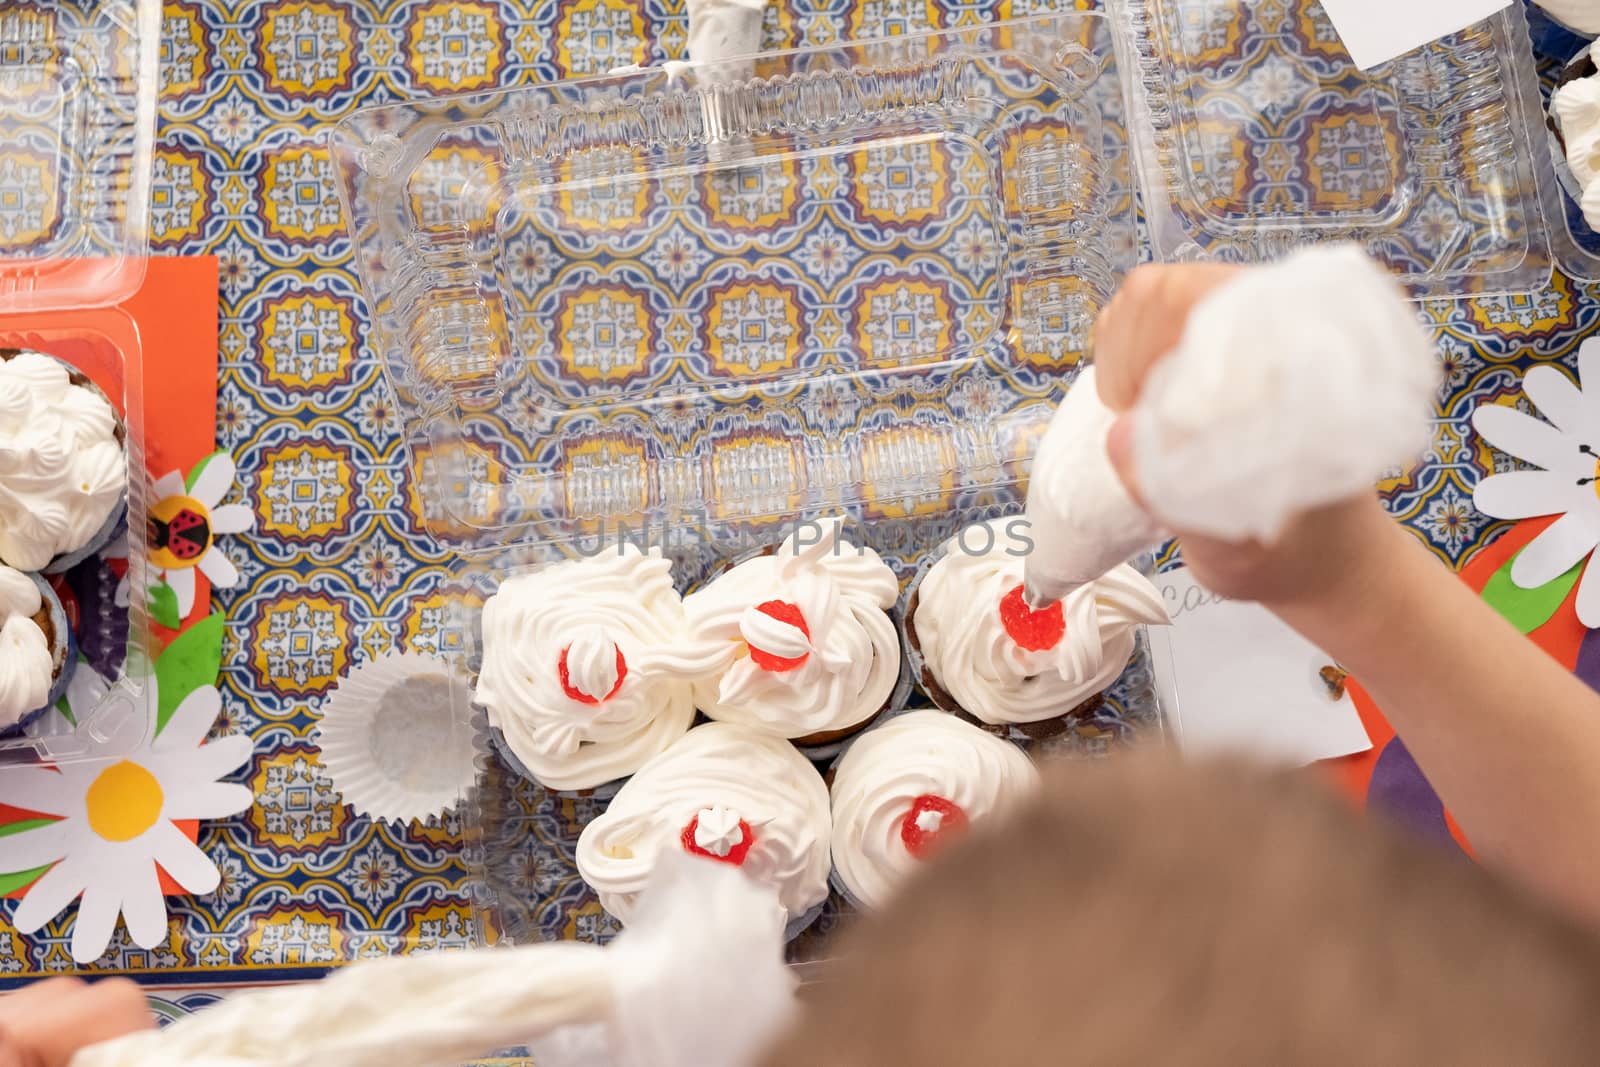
1295 385
1081 518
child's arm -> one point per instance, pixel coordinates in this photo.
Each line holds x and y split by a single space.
45 1023
1509 738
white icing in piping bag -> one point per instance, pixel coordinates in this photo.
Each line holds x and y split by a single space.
723 29
697 980
1295 385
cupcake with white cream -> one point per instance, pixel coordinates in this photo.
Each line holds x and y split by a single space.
726 793
36 652
580 677
63 463
979 650
905 789
798 642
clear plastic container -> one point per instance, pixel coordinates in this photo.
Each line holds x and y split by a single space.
692 305
1258 134
77 118
1577 243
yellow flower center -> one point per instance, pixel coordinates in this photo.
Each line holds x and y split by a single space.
1595 484
124 801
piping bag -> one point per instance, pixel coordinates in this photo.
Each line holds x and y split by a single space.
697 980
1295 385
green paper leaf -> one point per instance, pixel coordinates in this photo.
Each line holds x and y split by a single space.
1527 609
164 606
194 475
192 660
10 883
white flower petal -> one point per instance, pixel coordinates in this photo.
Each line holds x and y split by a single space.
1553 393
232 519
50 895
191 720
214 760
1528 494
1588 603
182 583
34 848
215 479
209 800
144 908
1532 440
97 920
36 789
169 484
1556 549
183 859
219 568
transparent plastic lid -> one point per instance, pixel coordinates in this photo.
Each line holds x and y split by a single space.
1257 133
848 278
77 118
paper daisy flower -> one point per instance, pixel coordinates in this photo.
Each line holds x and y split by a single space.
112 828
187 517
1565 444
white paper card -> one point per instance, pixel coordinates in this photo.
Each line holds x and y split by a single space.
1243 682
1376 31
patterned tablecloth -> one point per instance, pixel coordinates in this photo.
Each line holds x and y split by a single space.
339 569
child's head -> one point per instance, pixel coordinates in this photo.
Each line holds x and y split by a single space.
1142 913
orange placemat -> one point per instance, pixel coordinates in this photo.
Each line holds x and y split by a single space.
170 327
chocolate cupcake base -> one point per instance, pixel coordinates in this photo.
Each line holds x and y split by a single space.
1024 733
52 619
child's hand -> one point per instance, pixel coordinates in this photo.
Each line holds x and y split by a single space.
1143 325
45 1024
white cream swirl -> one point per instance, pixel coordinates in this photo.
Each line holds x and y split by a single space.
729 770
965 643
826 659
62 470
608 624
27 663
888 768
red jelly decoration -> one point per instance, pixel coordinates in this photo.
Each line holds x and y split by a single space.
783 611
578 694
922 843
1035 631
736 855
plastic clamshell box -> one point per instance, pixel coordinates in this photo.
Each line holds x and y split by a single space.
77 117
693 304
689 305
1256 134
77 120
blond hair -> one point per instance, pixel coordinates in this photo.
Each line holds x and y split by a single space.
1142 913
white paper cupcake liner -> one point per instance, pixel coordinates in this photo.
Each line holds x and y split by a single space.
393 740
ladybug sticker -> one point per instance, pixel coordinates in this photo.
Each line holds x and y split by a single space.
179 532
